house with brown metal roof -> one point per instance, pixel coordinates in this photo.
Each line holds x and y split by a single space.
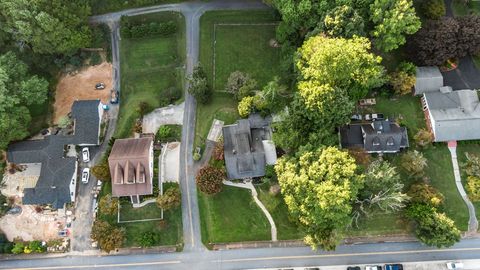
131 168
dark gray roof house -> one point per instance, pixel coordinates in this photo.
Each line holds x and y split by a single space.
57 181
247 147
381 136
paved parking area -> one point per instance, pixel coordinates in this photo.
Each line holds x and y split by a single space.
170 115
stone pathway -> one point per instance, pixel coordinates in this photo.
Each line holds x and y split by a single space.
472 222
250 186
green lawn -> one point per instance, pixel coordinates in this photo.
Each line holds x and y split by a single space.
286 229
379 224
476 60
222 107
439 170
238 47
129 213
149 66
169 229
461 150
460 9
231 216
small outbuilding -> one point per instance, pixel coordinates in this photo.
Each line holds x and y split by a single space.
428 79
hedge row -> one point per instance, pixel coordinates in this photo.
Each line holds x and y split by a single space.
130 30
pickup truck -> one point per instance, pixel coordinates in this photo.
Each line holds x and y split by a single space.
114 96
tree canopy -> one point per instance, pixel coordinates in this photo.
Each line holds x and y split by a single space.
393 20
47 26
342 63
18 89
318 187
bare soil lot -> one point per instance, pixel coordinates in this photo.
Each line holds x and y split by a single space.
81 86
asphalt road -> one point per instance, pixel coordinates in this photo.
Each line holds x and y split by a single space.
259 258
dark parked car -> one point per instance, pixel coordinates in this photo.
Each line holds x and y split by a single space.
354 268
114 95
100 86
393 267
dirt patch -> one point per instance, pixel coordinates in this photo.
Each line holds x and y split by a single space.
81 86
30 225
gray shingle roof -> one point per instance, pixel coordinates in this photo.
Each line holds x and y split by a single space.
86 121
428 79
376 137
455 115
53 185
243 148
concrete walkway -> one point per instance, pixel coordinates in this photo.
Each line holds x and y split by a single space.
250 186
472 222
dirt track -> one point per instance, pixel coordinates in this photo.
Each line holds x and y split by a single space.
81 86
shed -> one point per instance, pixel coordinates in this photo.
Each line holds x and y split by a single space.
428 79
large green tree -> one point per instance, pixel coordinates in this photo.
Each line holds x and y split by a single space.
344 21
393 20
319 187
433 228
18 89
342 63
47 26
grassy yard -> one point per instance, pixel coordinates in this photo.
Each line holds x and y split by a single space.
238 47
461 9
286 229
231 216
222 107
476 60
150 66
461 150
129 213
439 170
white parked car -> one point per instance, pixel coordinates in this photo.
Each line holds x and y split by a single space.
454 265
373 267
85 154
85 175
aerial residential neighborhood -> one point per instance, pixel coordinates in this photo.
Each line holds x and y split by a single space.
240 134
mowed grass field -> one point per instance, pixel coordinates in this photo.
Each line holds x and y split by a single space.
238 47
231 216
239 40
149 66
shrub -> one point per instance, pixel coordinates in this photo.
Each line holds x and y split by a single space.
423 138
414 163
148 239
433 228
401 82
143 108
18 248
218 153
107 236
197 156
473 187
210 179
170 199
64 122
108 205
426 194
198 86
173 94
433 9
102 171
163 133
360 155
36 246
130 29
95 59
472 165
246 106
